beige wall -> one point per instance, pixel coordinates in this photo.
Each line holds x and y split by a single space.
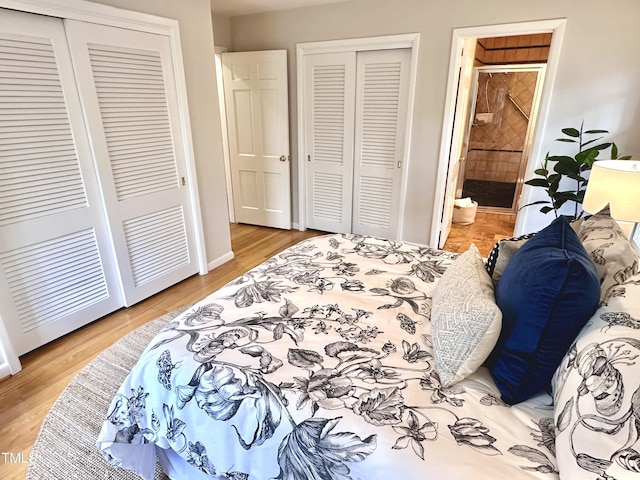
597 79
221 31
196 34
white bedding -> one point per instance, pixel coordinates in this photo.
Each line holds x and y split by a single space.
318 364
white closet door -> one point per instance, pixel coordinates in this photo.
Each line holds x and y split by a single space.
257 104
55 253
329 118
381 112
126 84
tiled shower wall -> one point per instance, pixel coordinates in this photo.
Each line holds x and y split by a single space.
495 149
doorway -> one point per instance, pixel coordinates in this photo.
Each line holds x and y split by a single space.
505 105
455 125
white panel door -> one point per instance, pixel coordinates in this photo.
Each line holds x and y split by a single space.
461 125
56 259
256 100
329 126
128 92
382 90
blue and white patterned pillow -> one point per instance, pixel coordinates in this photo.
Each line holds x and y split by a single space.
502 252
465 319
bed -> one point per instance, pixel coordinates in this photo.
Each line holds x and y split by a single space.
320 364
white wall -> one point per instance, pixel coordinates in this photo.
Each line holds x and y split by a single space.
597 80
221 31
196 34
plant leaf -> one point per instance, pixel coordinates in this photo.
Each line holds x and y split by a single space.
537 202
592 141
587 157
571 132
537 182
567 169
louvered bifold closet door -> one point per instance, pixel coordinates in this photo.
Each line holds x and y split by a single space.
128 92
329 127
381 111
56 259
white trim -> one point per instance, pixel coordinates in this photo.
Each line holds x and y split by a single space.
557 28
225 133
187 142
87 11
410 40
222 259
9 361
386 42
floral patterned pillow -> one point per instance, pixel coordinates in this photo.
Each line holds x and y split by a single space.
610 251
597 393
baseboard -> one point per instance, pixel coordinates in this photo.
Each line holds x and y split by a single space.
220 260
5 370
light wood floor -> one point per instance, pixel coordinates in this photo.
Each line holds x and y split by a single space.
26 397
487 229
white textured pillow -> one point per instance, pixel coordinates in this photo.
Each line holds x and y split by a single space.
465 319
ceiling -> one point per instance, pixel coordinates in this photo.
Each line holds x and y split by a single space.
232 8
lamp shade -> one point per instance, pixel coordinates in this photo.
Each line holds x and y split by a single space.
617 183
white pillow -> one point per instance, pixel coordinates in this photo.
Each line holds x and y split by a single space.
465 319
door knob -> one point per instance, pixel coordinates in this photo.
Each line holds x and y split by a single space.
283 158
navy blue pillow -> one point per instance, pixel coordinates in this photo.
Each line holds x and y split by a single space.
548 291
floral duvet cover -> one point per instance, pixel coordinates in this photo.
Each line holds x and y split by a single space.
318 364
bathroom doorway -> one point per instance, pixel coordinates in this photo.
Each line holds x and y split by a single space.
523 44
504 106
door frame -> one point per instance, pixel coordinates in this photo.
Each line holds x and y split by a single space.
387 42
540 69
554 26
87 11
225 133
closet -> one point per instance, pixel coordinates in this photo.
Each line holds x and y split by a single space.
95 211
355 113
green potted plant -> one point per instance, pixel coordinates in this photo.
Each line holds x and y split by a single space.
563 171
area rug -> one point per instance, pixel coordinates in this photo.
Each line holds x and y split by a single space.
65 447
